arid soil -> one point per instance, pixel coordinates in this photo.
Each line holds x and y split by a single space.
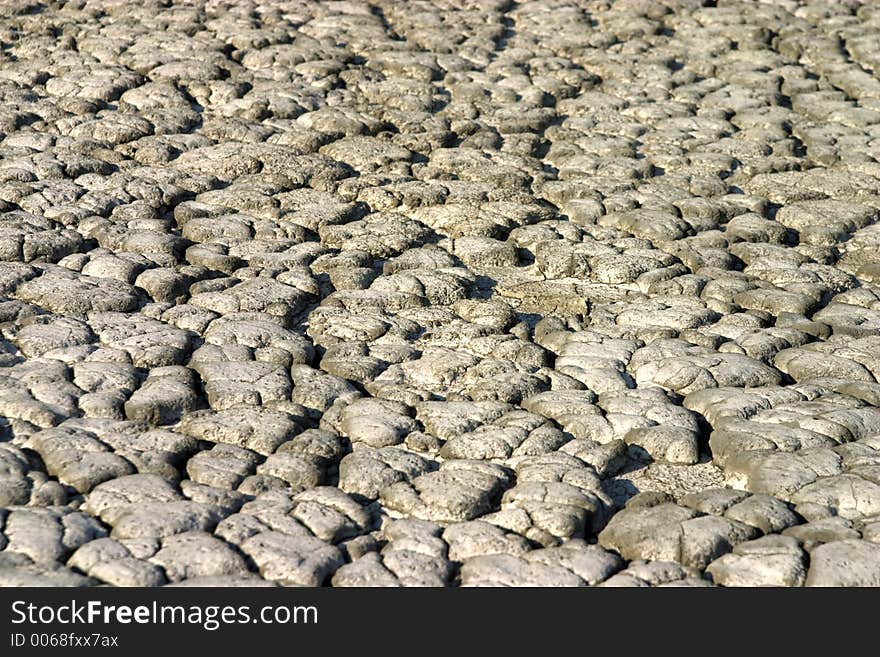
440 293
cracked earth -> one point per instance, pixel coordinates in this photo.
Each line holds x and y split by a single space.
440 293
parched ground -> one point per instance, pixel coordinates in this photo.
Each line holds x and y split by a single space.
440 293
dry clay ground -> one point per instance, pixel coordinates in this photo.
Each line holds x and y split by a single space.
440 293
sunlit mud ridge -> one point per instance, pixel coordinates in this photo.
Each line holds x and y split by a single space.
439 293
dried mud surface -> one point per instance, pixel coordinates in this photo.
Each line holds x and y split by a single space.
554 293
